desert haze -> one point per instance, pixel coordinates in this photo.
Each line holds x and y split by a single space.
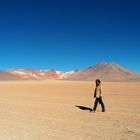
46 110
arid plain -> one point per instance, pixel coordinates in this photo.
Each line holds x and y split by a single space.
46 110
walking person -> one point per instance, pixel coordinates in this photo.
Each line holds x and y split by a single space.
98 96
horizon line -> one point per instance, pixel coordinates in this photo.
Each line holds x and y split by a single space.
45 69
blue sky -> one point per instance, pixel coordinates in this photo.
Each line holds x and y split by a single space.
69 34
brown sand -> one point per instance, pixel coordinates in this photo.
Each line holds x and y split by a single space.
46 111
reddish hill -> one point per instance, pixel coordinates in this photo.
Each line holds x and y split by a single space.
33 74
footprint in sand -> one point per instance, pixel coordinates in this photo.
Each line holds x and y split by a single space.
117 123
129 131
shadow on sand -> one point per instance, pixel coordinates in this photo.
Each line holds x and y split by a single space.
83 108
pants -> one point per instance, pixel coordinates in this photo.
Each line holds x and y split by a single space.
96 103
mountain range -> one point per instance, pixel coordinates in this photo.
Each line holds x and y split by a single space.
104 71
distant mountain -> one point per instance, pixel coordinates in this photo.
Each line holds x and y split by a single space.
103 71
33 74
5 76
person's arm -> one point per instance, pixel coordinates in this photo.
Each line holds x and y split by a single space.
101 91
95 93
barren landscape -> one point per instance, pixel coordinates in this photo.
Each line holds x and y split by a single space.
46 110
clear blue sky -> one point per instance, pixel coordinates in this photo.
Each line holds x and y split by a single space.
69 34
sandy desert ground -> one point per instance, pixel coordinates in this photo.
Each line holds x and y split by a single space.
46 111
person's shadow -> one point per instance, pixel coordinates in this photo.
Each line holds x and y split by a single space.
84 108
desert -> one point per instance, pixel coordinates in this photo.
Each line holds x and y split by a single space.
59 60
46 110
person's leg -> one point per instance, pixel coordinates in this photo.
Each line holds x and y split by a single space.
95 104
102 104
